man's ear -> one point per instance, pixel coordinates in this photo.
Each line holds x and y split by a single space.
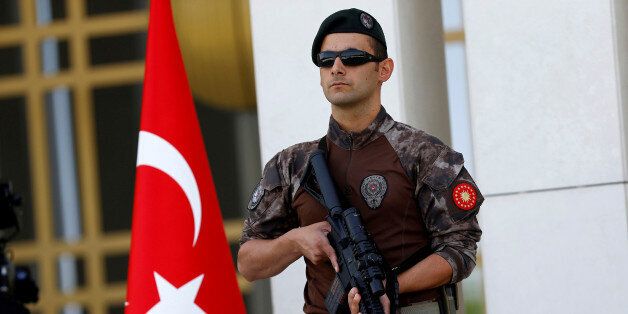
386 68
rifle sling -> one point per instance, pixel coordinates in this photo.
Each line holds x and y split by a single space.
416 257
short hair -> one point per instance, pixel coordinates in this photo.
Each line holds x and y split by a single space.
378 48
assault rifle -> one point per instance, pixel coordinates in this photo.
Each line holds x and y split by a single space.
360 263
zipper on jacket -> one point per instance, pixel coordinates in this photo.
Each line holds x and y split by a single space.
347 187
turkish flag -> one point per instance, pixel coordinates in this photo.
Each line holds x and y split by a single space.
180 260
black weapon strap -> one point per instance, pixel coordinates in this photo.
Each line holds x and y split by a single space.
416 257
392 288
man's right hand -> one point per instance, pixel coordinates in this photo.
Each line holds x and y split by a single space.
313 244
264 258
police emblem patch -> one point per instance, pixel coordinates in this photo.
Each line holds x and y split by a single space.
465 196
366 20
373 190
256 197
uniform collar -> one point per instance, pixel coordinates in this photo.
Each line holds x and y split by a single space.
356 140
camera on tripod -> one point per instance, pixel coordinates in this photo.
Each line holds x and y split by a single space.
17 286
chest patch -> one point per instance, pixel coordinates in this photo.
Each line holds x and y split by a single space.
465 196
256 197
373 190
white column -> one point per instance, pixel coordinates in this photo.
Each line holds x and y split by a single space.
292 107
548 120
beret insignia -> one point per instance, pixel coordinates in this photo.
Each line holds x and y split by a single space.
367 20
373 190
256 197
465 196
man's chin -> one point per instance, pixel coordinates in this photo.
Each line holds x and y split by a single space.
344 104
341 100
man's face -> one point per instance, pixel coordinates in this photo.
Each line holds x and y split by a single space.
343 85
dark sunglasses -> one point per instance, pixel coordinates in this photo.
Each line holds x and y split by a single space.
349 57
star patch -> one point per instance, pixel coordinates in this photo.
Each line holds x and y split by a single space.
373 190
465 196
366 20
256 197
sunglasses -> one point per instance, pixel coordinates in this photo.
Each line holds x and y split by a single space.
349 57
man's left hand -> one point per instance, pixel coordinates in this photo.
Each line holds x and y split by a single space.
354 302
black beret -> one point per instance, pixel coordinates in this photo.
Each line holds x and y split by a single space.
348 21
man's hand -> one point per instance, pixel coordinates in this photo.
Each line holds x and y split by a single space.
354 302
313 244
260 258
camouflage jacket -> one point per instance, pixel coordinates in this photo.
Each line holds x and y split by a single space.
411 189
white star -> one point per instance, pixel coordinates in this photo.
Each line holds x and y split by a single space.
176 300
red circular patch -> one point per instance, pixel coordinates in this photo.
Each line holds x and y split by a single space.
465 196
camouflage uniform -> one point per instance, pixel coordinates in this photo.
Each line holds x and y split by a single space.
411 189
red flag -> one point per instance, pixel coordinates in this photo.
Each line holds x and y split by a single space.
180 260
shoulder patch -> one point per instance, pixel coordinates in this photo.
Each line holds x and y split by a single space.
256 196
465 196
462 199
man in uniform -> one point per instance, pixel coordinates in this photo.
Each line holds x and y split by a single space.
412 190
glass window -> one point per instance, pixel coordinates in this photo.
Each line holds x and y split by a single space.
116 268
50 10
117 48
117 114
63 170
9 12
11 60
73 308
15 159
70 273
115 309
222 161
54 55
96 7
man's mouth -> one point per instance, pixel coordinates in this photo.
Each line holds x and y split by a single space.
338 84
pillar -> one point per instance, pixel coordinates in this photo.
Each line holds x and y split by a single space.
548 92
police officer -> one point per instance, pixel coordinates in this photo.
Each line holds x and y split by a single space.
412 191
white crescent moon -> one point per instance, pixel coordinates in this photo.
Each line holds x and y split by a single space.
156 152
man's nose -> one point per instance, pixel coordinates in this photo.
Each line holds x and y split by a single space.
338 68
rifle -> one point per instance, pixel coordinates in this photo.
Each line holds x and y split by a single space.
360 263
